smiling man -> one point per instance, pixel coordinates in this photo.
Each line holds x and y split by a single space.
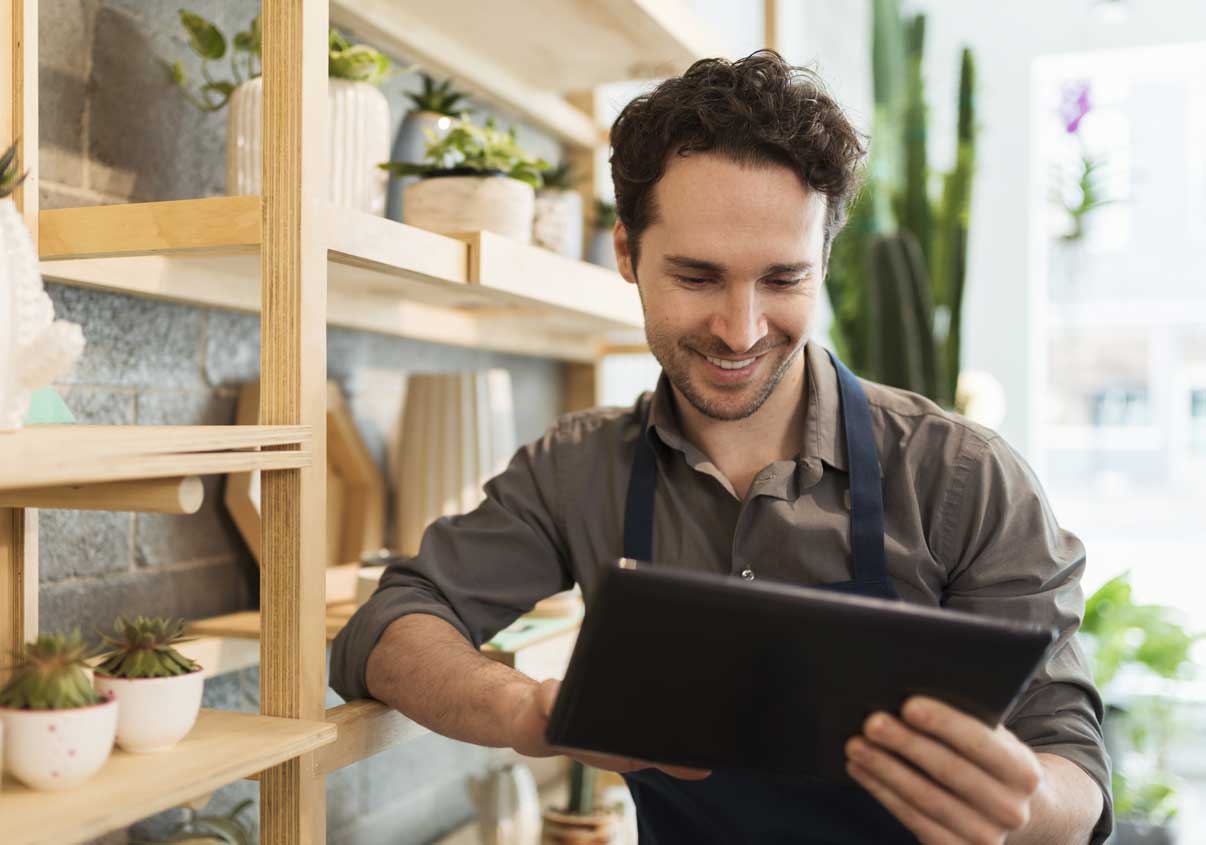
731 183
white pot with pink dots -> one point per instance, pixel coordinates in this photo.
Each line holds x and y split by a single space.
58 749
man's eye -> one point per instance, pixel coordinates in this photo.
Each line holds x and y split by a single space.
692 280
785 283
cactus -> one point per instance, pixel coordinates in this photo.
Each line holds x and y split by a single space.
898 269
143 649
50 675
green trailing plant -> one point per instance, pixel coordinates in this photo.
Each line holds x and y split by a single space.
559 177
11 176
197 829
898 270
143 648
438 98
605 214
1119 633
354 62
470 149
50 675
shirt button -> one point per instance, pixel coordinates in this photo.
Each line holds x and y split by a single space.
747 574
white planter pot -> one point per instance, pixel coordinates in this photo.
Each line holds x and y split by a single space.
58 749
358 122
558 222
458 432
156 713
451 205
409 145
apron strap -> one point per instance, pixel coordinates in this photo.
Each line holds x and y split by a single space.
638 506
866 486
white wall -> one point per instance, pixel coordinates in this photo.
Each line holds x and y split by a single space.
1006 37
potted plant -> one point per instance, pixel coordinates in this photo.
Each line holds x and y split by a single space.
602 250
435 108
1125 640
197 829
358 118
35 348
159 688
581 821
558 216
474 178
58 730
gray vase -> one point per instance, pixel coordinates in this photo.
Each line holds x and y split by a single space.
409 145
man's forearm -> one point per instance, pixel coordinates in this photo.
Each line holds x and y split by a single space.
425 668
1066 807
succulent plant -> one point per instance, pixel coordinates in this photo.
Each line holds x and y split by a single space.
10 176
438 97
143 649
605 214
199 829
560 177
50 675
478 149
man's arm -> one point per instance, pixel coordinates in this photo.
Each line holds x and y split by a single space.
425 668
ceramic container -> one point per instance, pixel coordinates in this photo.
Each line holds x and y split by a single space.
155 713
58 749
453 204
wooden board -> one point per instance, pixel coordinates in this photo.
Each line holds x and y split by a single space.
54 455
222 748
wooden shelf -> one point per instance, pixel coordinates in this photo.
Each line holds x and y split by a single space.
221 748
481 291
54 455
503 53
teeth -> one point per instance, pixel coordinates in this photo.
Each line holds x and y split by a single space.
730 365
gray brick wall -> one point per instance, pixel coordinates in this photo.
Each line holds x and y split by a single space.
114 130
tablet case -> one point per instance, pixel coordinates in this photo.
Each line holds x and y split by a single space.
715 672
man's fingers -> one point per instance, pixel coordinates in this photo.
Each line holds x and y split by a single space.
926 829
994 750
547 696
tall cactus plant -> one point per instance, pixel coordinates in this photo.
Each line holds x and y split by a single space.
898 270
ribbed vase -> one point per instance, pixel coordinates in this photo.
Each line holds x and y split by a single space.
458 432
358 122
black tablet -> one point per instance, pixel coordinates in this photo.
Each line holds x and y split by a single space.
715 672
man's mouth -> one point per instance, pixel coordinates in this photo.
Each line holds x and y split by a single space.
726 364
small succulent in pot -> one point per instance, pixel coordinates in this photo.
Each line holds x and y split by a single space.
158 687
58 730
461 186
558 219
438 98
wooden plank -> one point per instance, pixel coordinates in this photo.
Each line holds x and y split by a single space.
503 50
214 224
293 386
221 748
97 469
394 28
366 727
174 495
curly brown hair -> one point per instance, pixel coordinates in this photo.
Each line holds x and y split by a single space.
757 110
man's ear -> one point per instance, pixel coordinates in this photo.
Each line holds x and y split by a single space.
619 237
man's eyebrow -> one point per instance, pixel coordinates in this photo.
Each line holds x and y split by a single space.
684 262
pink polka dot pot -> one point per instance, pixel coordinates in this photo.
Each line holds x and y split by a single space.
58 749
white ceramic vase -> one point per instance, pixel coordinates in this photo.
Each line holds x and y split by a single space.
358 124
155 713
557 224
458 432
452 205
35 348
58 749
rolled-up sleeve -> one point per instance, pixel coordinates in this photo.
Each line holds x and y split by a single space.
1007 556
477 571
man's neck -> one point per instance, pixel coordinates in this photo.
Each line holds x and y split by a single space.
740 449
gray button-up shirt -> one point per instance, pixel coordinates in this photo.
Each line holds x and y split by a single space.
966 526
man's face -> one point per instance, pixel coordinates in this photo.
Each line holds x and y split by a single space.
729 274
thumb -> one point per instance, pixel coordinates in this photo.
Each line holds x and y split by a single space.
546 696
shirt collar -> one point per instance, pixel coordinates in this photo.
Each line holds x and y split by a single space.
824 438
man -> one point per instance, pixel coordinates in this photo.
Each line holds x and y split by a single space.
731 183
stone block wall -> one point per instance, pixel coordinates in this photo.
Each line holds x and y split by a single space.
113 129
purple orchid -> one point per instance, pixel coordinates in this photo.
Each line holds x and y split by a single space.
1074 105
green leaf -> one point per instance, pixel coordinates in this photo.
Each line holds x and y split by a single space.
176 73
205 38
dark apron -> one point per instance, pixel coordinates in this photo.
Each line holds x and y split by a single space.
735 807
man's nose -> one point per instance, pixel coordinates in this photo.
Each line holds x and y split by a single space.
740 322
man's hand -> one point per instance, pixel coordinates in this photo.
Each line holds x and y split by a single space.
531 717
944 774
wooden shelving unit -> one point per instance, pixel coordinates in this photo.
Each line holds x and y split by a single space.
301 265
222 748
